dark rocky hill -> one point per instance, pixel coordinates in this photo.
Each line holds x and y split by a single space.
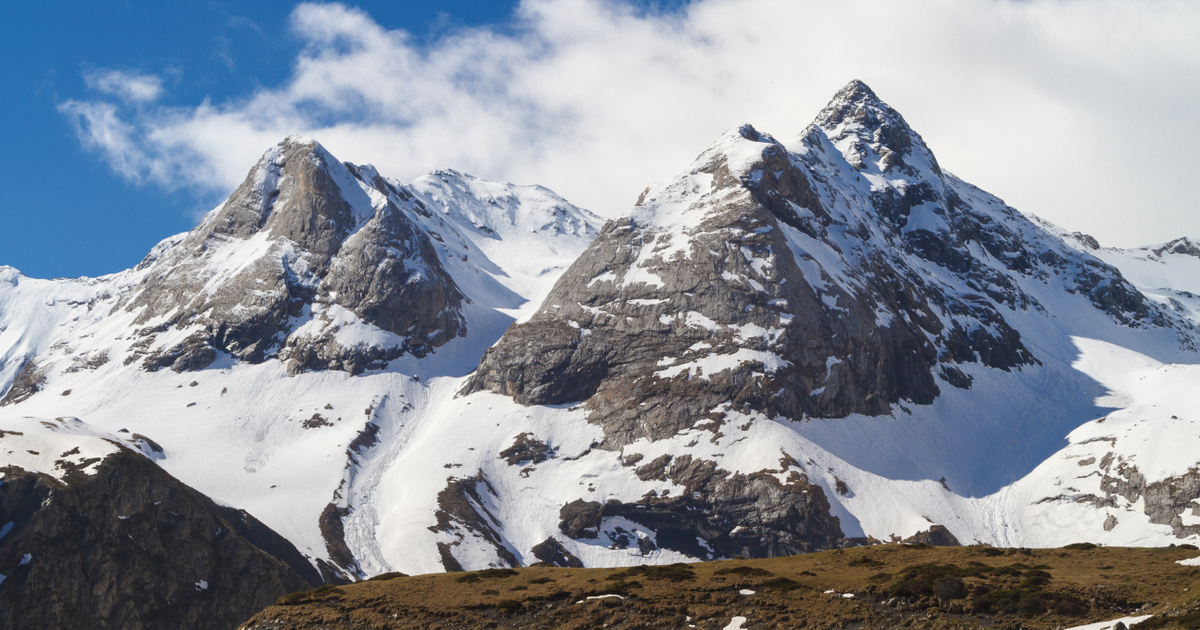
129 546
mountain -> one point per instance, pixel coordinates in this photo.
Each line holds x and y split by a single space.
260 352
791 345
839 309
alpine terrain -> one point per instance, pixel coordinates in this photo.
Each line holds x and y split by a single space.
795 344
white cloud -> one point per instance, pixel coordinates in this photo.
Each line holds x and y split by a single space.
1081 112
99 127
131 87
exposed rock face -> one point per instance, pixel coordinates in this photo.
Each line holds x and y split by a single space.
551 552
1087 240
527 449
462 514
344 566
605 337
308 261
131 547
382 275
1166 502
937 535
1182 246
718 514
28 382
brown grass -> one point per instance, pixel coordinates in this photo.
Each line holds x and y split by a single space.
893 586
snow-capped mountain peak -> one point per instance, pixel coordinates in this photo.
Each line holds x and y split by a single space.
502 211
1180 246
298 191
277 259
872 136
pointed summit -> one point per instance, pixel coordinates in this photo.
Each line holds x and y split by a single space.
297 190
739 149
305 247
852 101
866 129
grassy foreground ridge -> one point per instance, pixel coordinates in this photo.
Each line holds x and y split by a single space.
882 586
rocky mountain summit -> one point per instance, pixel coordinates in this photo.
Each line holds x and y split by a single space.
791 345
302 248
847 276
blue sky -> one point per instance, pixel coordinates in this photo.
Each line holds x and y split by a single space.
65 212
124 122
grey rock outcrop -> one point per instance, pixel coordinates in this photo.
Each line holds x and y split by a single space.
1180 246
28 382
388 275
552 552
1173 501
527 449
1165 502
937 536
717 514
605 340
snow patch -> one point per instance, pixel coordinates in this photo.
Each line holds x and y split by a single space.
737 623
712 364
1109 625
607 596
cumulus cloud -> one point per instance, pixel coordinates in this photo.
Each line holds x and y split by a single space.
131 87
1081 112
